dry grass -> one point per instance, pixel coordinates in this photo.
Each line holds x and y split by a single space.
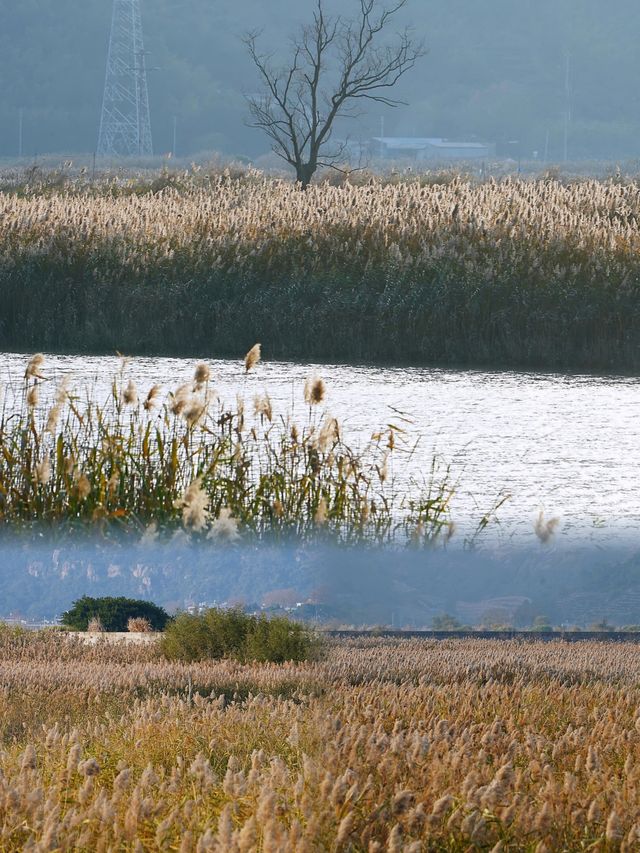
394 746
519 272
139 625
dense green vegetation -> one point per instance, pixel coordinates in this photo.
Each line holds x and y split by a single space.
494 70
216 633
113 613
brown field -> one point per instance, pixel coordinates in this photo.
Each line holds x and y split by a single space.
460 745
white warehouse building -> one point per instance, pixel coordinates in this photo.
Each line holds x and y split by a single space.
429 148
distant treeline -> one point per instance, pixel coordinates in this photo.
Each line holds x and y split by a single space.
519 274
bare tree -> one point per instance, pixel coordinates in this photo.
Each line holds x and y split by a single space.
336 64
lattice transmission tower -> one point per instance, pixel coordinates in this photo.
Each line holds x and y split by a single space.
125 123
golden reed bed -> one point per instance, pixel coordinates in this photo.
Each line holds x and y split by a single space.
383 746
518 271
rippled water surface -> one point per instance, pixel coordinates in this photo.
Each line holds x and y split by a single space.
564 444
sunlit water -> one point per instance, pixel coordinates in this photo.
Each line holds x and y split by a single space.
567 445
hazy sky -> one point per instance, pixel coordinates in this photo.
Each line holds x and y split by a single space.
495 71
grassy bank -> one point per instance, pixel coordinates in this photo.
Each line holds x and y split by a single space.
536 273
383 745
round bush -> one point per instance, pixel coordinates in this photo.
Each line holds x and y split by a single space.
113 613
216 633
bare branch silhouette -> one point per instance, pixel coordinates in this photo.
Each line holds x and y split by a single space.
335 64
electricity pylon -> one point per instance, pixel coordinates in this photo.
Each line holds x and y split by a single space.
125 124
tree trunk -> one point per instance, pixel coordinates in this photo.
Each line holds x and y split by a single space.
304 173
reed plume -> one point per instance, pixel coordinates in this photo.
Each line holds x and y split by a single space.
34 365
151 399
180 399
202 375
224 527
262 406
82 487
195 506
130 394
33 396
252 357
545 528
314 390
43 471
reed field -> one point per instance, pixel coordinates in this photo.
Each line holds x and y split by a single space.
511 272
157 462
406 745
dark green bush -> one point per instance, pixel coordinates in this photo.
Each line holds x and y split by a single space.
215 633
212 633
113 613
278 640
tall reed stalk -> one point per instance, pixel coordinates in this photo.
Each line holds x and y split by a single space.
158 461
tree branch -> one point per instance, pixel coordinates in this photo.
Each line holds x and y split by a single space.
300 104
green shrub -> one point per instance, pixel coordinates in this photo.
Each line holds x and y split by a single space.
216 633
113 613
187 638
212 633
278 640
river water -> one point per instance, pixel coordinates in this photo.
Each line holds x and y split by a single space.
564 444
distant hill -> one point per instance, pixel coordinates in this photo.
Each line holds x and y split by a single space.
578 586
495 71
